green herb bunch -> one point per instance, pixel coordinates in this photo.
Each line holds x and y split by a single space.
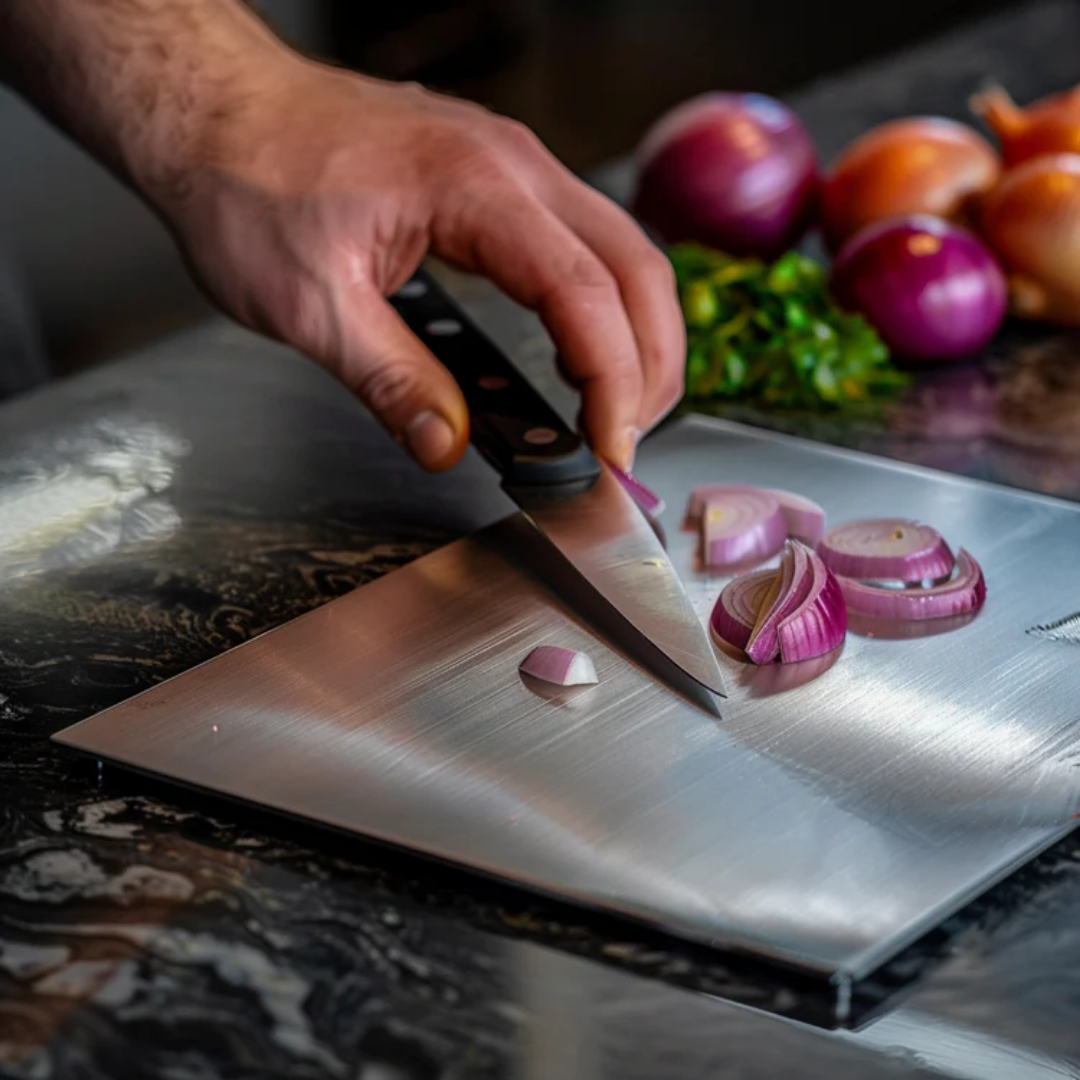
774 335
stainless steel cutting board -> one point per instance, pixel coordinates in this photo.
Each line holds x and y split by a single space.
826 824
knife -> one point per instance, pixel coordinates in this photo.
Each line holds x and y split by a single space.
571 497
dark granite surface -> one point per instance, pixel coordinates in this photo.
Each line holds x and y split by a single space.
168 507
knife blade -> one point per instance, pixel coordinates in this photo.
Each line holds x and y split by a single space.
570 496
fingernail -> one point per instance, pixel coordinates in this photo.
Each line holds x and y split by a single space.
430 438
630 440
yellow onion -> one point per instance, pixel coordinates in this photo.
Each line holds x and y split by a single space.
921 165
1049 126
1032 222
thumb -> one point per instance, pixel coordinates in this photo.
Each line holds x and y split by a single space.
415 398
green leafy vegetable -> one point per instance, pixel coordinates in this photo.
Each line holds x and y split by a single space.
773 334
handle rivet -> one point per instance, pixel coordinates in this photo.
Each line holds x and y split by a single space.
412 289
444 327
492 382
540 436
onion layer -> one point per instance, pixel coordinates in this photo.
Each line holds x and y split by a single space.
966 592
932 290
794 613
921 165
741 526
804 518
1032 221
648 502
886 549
736 172
562 667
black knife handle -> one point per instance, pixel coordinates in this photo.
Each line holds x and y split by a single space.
515 429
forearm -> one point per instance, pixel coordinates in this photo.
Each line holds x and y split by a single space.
143 84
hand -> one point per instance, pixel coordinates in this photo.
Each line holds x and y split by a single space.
320 194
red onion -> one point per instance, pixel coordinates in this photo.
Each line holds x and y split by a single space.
963 593
791 614
736 172
695 508
805 519
886 549
791 587
648 502
563 667
932 290
736 612
741 526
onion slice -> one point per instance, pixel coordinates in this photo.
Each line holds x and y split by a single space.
648 502
736 612
791 614
966 592
886 549
562 667
740 526
805 519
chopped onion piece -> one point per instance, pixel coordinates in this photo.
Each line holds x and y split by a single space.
804 518
735 613
741 527
793 586
791 614
886 549
563 667
649 503
966 592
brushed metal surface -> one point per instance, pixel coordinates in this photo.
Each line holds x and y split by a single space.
824 821
609 540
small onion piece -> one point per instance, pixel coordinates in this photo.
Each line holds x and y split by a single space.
648 502
804 518
736 612
733 171
966 592
886 549
791 614
559 666
1032 221
932 290
918 165
790 589
740 527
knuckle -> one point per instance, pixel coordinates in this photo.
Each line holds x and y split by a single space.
518 137
656 267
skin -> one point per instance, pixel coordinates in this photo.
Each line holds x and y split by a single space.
302 195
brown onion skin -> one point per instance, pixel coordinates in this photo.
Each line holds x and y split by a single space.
1032 222
1049 126
919 165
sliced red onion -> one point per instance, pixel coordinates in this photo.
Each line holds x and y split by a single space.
695 509
886 549
741 526
791 614
648 501
563 667
818 625
966 592
791 590
736 612
805 519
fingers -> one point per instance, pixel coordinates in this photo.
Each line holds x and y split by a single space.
646 284
399 380
540 262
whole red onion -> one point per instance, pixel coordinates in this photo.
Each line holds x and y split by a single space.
736 172
932 290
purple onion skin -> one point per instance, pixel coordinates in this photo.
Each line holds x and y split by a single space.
931 290
736 172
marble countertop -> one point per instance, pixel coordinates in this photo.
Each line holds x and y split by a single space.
167 507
